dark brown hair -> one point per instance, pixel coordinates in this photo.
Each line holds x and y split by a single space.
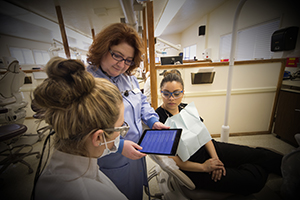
170 76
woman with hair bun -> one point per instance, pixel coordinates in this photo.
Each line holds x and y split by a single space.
87 115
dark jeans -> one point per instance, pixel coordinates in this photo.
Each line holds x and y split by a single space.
247 168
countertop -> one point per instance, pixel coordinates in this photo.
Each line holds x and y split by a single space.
291 85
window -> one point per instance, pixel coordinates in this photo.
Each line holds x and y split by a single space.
24 56
189 52
29 57
62 55
41 57
225 44
252 43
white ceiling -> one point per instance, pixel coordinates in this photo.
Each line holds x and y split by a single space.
27 18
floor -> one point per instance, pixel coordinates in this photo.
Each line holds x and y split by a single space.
16 183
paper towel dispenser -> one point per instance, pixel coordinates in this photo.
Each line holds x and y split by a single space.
203 76
284 39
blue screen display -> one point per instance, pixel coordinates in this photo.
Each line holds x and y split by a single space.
160 142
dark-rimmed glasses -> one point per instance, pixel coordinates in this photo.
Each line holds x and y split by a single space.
120 58
175 95
123 129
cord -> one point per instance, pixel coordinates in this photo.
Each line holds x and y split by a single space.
295 75
38 170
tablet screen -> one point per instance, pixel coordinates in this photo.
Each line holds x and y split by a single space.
163 142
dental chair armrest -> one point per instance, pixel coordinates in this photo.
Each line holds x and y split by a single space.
175 172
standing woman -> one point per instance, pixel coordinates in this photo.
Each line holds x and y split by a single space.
114 54
87 115
216 165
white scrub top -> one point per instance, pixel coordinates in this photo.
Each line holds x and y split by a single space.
74 177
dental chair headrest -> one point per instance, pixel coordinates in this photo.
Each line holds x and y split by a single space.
10 64
14 67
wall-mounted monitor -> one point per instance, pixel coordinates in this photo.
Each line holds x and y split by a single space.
170 60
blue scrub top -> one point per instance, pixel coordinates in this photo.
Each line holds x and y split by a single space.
128 175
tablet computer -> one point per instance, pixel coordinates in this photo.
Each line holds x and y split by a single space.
162 142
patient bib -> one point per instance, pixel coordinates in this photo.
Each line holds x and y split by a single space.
194 133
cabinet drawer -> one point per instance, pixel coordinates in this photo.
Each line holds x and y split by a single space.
287 122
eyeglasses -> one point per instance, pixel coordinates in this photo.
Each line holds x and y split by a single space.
123 129
175 95
120 58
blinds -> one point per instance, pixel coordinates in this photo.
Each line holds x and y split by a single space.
189 52
24 56
29 57
41 57
252 43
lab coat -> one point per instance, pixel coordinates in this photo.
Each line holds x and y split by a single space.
128 175
74 177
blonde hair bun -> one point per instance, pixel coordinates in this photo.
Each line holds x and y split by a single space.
67 82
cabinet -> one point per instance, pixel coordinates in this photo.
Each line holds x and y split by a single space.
287 122
34 78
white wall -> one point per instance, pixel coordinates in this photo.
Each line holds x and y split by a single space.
190 37
254 86
220 21
253 93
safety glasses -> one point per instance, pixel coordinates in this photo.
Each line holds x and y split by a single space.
123 129
175 95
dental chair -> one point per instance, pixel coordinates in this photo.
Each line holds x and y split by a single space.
11 98
290 169
12 115
9 134
174 184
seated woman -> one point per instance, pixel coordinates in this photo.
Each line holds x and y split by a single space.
87 115
218 166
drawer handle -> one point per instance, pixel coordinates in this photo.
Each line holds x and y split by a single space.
297 110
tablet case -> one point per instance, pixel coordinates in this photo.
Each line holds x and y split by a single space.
160 142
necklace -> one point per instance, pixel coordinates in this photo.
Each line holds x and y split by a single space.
180 107
166 112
